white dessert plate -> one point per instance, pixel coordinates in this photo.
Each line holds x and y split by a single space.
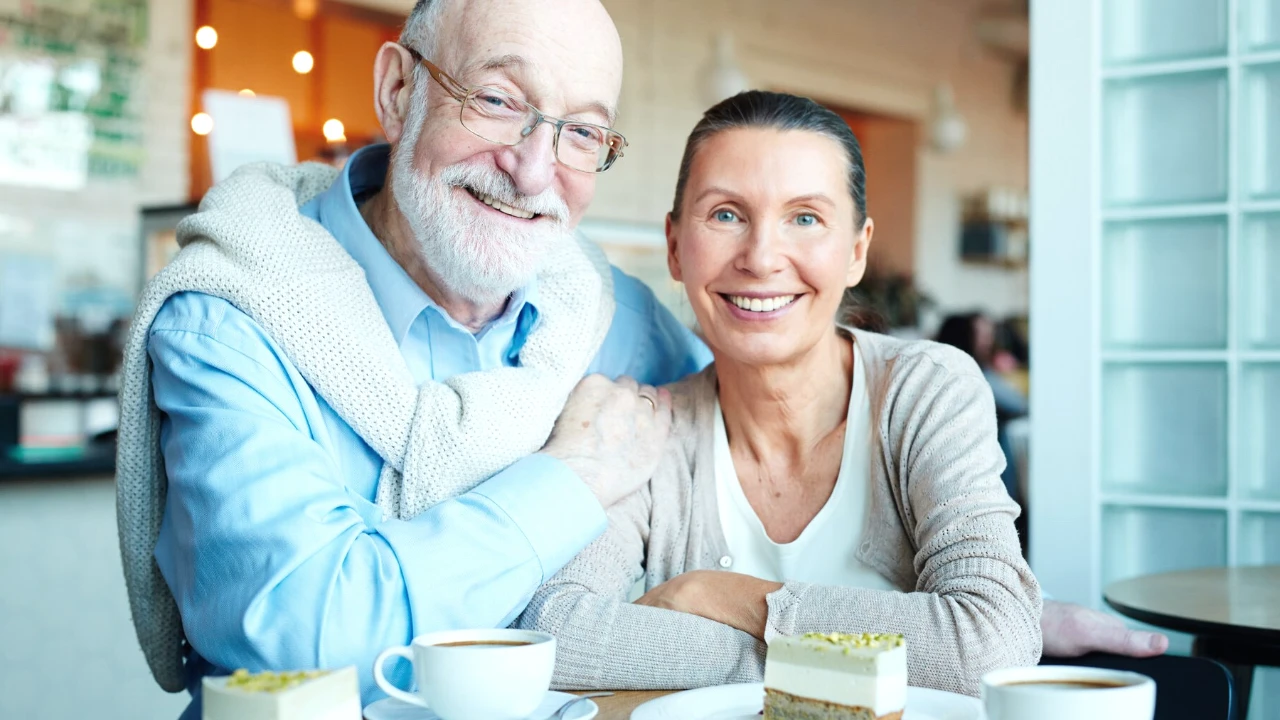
745 701
393 709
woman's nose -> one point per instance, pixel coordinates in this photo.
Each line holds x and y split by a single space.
761 254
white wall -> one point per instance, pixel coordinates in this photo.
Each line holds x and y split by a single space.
67 648
873 55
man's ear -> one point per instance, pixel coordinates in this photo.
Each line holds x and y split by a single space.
392 93
673 259
858 259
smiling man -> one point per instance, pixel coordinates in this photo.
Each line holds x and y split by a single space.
308 471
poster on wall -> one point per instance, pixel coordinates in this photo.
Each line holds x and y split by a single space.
71 68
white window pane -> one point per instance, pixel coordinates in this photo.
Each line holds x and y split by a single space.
1262 24
1261 141
1259 539
1260 281
1164 284
1259 430
1164 429
1142 30
1140 541
1165 140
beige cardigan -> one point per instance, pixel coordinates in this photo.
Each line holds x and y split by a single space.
940 528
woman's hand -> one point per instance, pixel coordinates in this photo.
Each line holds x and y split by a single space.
731 598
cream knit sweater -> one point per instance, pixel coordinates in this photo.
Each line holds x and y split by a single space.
939 527
251 246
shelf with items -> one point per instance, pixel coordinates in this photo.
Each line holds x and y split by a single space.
995 229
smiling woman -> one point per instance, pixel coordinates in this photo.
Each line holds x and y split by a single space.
820 477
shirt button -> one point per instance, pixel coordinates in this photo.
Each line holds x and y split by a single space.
726 561
866 547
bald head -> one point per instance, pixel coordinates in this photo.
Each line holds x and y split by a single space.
572 43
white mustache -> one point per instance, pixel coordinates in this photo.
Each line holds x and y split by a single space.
500 187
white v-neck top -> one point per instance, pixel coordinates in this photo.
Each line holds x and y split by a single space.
825 551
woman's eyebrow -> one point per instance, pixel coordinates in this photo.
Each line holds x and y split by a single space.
716 189
812 197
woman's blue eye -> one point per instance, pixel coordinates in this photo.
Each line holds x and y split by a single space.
726 216
806 219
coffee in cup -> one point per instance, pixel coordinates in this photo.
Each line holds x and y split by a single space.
1066 692
475 674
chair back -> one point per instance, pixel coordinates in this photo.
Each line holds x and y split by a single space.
1187 688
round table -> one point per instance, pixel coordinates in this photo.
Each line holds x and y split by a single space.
1234 613
619 706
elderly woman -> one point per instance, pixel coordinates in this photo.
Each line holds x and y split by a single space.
819 476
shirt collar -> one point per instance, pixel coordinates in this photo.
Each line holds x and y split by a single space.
398 296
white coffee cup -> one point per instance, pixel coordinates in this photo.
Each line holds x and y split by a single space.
475 674
1066 692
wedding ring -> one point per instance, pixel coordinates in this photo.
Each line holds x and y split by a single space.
649 400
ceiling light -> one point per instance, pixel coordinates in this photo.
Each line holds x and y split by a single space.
303 62
201 123
206 37
334 130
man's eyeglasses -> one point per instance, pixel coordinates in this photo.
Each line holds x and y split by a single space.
493 115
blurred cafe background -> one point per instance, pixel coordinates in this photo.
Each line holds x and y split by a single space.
1084 195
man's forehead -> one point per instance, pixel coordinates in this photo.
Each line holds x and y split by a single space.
573 53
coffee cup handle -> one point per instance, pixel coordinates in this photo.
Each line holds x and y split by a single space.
387 687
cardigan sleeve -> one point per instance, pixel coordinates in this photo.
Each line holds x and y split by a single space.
603 641
976 605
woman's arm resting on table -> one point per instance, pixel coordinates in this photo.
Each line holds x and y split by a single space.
976 606
606 642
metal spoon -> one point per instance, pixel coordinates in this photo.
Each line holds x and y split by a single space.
563 711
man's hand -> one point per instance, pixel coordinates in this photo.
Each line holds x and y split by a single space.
1072 630
734 599
611 434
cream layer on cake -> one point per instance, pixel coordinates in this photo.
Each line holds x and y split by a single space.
303 695
867 670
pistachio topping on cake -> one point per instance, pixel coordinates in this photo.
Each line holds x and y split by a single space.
269 681
882 641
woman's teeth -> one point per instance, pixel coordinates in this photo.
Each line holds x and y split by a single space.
761 304
500 206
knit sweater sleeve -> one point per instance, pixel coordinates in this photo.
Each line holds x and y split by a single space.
976 605
606 642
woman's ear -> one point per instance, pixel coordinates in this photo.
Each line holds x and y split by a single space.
858 258
673 258
391 92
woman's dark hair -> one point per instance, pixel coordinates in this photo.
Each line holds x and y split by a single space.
781 111
958 331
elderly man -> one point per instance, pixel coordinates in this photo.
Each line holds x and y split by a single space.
271 543
314 390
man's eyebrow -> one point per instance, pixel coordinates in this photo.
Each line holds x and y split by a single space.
519 62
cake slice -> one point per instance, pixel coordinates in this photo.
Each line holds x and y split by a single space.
836 676
301 695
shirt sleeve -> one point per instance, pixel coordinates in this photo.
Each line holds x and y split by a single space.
645 340
276 564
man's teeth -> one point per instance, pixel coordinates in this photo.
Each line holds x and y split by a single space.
761 304
497 204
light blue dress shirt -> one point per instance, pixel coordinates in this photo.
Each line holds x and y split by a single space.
271 542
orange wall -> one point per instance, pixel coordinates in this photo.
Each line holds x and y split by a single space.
256 43
889 153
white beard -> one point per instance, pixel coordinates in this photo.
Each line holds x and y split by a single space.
472 253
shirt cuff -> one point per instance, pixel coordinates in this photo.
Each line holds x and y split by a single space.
551 506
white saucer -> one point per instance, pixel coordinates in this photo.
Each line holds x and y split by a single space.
744 702
393 709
